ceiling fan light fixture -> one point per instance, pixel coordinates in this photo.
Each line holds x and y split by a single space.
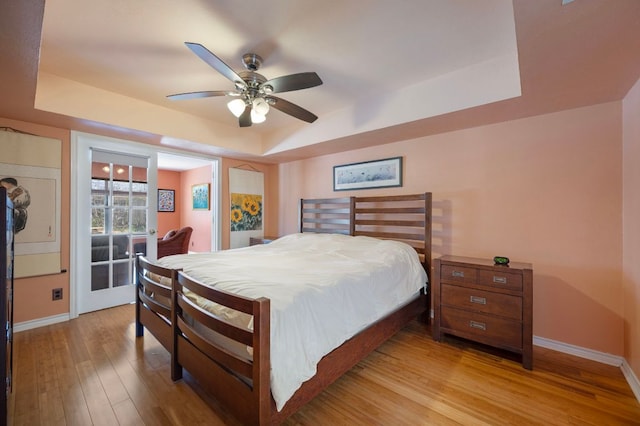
260 106
256 117
236 107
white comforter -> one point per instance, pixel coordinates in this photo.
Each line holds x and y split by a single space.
324 288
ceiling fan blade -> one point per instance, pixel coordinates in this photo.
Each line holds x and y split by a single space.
245 117
203 94
215 62
288 83
292 109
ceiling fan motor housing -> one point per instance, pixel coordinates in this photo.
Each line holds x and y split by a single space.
251 61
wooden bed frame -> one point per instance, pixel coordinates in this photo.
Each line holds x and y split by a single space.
153 300
242 385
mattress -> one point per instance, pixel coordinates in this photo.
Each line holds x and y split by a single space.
324 289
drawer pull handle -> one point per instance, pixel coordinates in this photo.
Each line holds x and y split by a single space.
478 325
500 280
478 300
459 274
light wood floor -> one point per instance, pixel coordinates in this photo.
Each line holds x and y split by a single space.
92 370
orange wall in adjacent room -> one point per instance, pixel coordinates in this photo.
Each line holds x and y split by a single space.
168 179
199 220
545 190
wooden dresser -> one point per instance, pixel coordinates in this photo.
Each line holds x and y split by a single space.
487 303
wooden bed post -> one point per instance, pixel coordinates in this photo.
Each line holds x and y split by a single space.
352 214
262 360
427 252
176 368
427 234
139 327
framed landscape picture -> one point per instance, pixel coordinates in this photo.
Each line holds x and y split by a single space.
200 196
368 174
166 200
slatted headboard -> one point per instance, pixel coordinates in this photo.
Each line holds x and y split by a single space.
327 215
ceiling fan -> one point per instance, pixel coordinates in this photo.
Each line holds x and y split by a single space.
253 92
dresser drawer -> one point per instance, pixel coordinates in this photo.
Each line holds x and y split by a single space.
486 302
458 274
501 279
483 328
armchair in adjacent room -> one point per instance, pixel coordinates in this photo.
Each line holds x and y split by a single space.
174 242
177 243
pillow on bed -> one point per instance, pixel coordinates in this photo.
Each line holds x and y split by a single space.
169 234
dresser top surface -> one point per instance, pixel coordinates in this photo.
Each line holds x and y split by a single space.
473 261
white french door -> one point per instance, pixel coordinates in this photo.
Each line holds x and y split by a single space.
115 197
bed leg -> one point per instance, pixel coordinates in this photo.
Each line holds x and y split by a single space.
176 371
139 327
427 313
425 317
176 368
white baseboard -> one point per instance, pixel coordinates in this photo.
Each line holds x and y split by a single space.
40 322
581 352
632 379
602 357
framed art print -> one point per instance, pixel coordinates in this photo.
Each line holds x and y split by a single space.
166 200
368 174
200 196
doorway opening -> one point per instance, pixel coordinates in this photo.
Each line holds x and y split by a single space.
178 174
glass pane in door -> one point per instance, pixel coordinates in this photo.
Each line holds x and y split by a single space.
118 220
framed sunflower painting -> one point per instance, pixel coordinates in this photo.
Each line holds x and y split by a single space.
246 212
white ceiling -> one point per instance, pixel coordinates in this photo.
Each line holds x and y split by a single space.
391 70
175 162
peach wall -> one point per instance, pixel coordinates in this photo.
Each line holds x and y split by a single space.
168 179
199 220
32 296
631 227
545 190
271 200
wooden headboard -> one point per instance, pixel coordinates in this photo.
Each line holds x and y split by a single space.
405 218
327 215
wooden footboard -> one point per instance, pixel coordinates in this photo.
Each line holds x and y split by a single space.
153 300
240 382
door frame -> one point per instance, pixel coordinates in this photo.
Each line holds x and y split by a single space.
134 148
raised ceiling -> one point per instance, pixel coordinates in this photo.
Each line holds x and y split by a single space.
391 70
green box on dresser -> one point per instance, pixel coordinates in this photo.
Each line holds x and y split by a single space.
481 301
